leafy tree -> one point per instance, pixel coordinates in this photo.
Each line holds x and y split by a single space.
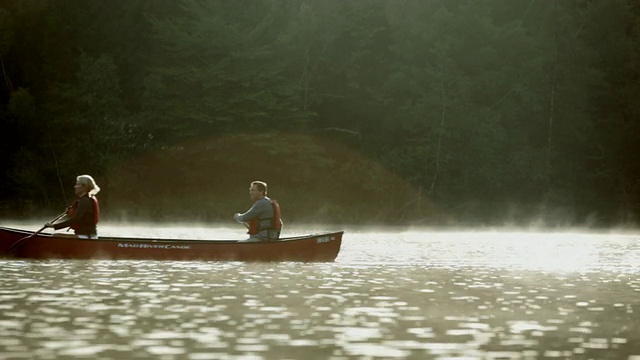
215 74
611 172
493 110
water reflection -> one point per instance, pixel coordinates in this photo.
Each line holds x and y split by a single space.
546 252
420 295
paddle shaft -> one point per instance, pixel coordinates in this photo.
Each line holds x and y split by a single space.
18 244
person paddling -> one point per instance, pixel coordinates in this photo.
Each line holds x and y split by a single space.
83 215
263 218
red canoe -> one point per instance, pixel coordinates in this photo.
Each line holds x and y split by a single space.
309 248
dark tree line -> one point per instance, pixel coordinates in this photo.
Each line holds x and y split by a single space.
487 111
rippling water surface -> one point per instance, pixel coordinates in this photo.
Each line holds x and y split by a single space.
405 295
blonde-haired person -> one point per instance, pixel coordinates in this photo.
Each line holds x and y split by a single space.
83 215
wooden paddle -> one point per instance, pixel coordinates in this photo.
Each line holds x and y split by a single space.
20 243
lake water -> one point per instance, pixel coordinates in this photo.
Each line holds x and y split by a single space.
388 295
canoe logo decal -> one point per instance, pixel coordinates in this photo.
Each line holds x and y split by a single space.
153 246
323 239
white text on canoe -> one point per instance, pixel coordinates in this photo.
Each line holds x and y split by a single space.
153 246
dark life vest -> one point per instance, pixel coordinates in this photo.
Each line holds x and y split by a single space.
96 212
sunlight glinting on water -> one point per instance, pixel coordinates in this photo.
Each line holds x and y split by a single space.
554 252
547 252
445 295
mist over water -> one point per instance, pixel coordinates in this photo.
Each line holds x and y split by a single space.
389 294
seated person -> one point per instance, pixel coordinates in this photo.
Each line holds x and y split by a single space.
263 218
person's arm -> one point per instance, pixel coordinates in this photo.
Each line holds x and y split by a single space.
256 210
84 207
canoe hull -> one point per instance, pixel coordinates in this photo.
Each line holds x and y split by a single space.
322 247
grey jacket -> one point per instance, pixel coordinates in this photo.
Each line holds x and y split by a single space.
263 210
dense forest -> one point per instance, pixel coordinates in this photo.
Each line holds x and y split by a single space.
431 112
